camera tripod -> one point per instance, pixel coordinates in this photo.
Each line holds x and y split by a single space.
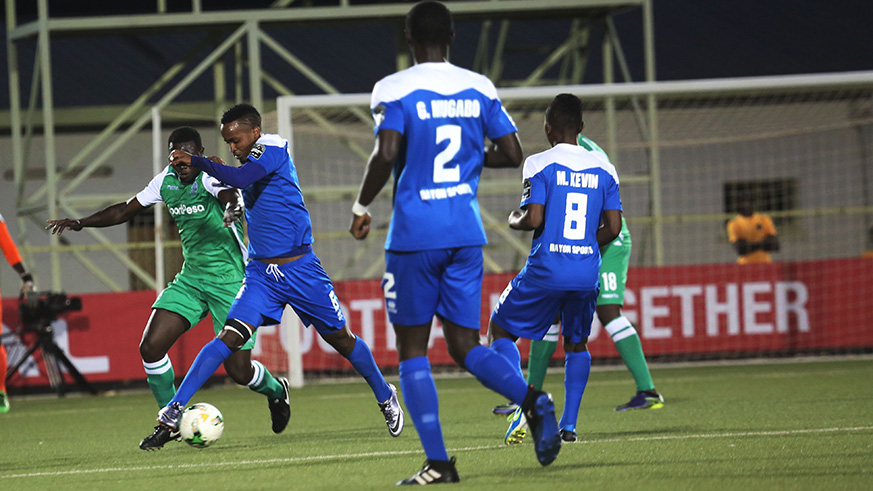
54 358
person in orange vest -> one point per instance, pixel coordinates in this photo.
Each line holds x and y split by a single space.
868 254
14 259
752 234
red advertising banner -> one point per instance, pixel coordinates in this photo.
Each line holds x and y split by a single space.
101 340
677 310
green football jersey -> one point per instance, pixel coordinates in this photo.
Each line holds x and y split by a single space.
588 144
209 249
624 237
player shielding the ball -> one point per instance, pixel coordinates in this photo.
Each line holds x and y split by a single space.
207 213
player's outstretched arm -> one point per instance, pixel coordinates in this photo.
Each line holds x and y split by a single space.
378 172
107 217
504 152
238 177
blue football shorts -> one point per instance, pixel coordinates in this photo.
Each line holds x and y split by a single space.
447 282
526 310
303 284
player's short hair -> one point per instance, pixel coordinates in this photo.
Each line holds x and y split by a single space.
565 111
244 113
185 134
430 23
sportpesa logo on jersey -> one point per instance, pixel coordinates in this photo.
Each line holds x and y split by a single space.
186 210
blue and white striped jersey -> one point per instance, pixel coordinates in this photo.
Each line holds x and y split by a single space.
575 186
444 114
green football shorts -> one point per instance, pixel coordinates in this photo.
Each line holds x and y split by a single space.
193 297
613 272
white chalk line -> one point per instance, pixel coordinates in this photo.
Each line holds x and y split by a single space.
291 460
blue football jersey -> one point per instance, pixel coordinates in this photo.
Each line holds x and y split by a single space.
575 186
444 114
278 221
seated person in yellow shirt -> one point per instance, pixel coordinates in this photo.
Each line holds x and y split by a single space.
752 234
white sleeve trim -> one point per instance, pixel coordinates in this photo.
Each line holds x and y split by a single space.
213 185
151 194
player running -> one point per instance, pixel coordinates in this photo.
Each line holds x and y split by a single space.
207 213
568 191
283 268
431 121
613 278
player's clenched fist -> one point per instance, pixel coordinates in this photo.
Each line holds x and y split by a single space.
360 226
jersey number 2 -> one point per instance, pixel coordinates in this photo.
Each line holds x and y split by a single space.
441 173
575 216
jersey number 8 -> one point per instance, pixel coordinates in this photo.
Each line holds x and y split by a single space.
575 213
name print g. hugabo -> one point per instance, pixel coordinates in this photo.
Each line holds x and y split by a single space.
449 108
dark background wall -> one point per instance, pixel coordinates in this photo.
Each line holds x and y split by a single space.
694 39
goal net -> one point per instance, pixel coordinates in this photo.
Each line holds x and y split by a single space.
687 153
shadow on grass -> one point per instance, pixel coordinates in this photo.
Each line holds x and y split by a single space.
660 431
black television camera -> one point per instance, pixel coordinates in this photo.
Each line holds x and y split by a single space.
37 310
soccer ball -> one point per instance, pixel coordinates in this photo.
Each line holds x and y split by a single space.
202 425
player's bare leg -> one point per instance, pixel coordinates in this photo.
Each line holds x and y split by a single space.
162 330
208 360
243 370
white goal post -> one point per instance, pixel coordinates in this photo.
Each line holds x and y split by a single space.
804 143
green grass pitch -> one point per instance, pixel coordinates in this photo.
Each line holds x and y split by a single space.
788 425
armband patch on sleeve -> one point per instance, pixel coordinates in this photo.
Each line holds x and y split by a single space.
525 194
378 115
257 151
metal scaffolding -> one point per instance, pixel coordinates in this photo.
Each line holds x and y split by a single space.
247 37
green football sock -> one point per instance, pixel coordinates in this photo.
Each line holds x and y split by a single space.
161 379
540 354
628 345
264 383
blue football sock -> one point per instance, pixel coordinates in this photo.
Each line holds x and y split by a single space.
497 373
509 350
577 367
207 362
362 359
422 404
